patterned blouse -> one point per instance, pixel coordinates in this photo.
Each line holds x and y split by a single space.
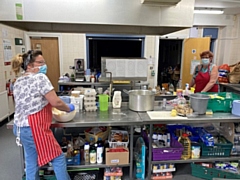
29 95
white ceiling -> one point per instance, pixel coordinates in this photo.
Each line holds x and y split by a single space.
229 6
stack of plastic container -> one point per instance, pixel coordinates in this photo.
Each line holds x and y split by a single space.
90 100
76 99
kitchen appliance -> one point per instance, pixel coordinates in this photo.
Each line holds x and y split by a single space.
79 69
141 100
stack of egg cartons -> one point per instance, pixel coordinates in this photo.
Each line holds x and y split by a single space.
90 100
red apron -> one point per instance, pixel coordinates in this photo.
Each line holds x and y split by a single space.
46 145
202 80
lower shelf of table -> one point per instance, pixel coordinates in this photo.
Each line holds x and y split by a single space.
89 166
83 165
210 159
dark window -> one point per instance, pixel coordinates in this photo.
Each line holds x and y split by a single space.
112 46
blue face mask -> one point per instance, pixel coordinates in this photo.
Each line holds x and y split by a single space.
43 69
205 61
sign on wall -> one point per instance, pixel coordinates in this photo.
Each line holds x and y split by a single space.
7 51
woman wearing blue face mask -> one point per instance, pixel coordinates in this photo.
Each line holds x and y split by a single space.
205 77
34 98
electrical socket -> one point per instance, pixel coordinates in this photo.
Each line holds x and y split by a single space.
71 67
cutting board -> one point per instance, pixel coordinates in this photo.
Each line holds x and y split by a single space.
163 115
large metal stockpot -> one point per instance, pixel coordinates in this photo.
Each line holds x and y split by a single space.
141 100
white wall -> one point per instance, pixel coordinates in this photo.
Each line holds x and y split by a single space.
229 43
127 12
213 20
5 71
150 50
73 46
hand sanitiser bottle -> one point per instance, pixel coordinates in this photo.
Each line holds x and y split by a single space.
117 99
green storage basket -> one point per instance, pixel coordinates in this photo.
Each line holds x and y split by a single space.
210 173
218 150
218 105
46 177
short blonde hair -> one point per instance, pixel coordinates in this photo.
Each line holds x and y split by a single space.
16 62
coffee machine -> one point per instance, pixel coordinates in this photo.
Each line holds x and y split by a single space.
79 69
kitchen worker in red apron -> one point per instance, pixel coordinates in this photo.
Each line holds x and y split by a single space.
34 98
205 77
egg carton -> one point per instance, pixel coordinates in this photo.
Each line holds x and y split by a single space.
89 102
90 92
89 105
89 109
89 99
89 96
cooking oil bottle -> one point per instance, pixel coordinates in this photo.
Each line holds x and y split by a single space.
185 141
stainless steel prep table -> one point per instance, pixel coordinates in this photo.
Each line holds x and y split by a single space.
126 117
112 117
228 87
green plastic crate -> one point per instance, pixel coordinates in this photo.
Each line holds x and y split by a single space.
46 177
50 177
218 105
210 173
218 150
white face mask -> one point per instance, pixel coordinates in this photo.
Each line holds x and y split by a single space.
205 61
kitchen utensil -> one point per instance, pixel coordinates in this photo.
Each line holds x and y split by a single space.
141 100
61 116
163 115
199 102
103 102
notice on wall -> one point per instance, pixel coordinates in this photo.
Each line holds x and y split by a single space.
4 33
194 63
7 51
19 11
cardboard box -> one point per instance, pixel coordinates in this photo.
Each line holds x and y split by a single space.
230 134
117 158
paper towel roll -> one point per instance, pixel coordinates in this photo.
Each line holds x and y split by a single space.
65 99
236 107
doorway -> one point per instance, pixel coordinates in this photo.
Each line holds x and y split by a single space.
49 47
170 56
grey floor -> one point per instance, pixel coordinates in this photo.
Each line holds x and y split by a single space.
10 163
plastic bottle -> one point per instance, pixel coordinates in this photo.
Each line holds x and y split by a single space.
186 93
185 141
100 142
86 152
154 137
117 99
163 90
91 141
171 88
179 84
99 153
93 154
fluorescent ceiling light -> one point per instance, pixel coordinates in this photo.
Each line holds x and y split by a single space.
208 11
